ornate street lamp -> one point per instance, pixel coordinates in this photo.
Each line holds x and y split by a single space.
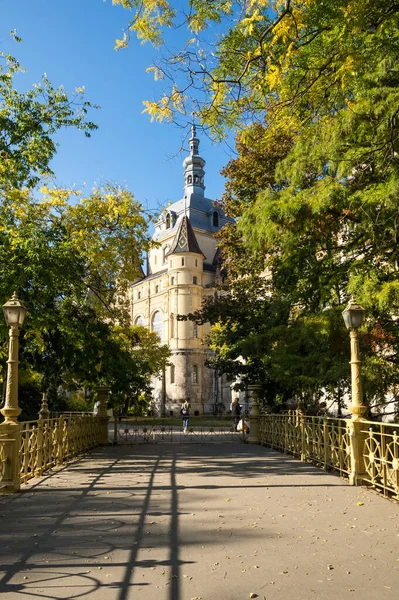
353 316
14 314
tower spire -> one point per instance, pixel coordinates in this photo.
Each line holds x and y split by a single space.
194 167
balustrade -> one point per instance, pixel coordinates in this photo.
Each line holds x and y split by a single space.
49 442
330 443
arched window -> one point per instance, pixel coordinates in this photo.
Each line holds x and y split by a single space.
195 330
215 219
139 321
172 326
172 373
196 179
138 295
156 289
189 179
195 280
156 323
196 262
182 262
167 221
172 281
195 374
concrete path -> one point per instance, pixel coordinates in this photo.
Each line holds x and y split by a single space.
209 522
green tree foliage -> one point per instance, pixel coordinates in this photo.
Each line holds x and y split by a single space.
70 263
28 122
319 80
69 255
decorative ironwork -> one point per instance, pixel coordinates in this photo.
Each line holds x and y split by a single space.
319 439
136 433
47 443
381 456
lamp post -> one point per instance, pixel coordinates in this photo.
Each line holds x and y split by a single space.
14 314
353 316
10 429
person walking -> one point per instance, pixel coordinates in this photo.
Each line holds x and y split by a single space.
185 413
236 412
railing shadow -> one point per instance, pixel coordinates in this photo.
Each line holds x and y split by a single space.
55 533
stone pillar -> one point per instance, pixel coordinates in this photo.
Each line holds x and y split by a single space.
10 429
255 414
102 396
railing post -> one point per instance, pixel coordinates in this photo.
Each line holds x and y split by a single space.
60 438
44 415
286 444
39 462
357 438
325 443
255 414
301 411
10 446
44 412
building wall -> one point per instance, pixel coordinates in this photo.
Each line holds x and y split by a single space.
174 293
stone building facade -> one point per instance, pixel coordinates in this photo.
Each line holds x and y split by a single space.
181 272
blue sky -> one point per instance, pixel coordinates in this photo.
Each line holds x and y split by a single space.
72 41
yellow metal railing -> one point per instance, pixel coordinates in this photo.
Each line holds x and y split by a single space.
47 443
381 456
336 444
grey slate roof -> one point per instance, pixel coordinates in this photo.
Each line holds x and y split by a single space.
185 240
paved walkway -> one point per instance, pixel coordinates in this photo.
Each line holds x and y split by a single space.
182 522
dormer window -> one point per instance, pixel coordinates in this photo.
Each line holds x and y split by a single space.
168 221
215 219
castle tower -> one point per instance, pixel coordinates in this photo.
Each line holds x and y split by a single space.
180 274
